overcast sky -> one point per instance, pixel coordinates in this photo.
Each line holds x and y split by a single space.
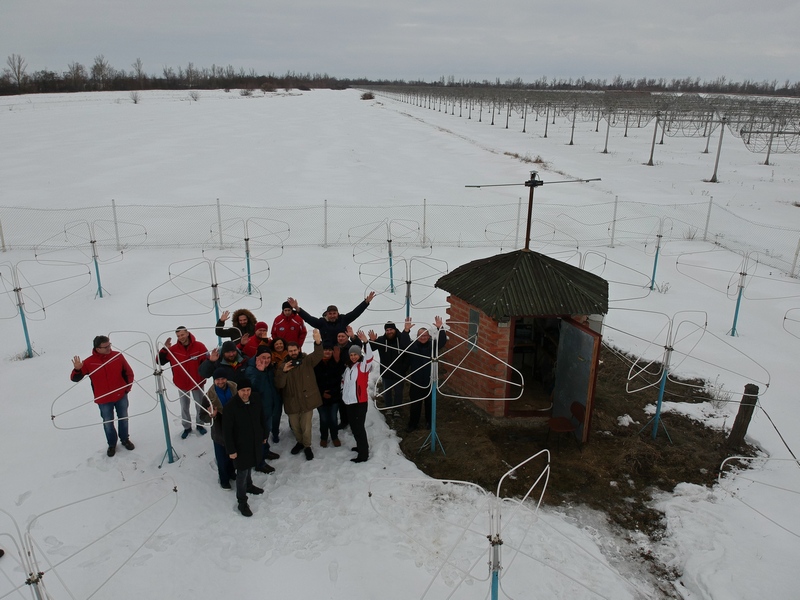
416 39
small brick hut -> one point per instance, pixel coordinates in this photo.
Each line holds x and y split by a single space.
522 307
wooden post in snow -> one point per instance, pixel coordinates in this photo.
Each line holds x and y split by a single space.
742 421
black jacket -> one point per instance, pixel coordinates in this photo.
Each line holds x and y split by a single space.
329 379
245 431
391 357
329 330
419 359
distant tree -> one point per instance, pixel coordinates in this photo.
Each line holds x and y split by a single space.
45 82
101 72
170 77
75 76
190 75
16 71
138 72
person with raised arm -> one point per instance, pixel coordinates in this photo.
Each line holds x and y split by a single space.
184 359
390 347
112 379
243 322
355 393
295 378
332 322
420 355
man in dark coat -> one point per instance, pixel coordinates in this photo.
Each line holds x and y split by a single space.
344 340
329 381
332 322
261 373
220 393
245 434
420 356
390 346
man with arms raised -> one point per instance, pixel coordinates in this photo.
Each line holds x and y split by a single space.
332 322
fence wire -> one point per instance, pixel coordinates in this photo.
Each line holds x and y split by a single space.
269 229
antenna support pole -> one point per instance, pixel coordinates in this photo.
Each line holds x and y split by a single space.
532 183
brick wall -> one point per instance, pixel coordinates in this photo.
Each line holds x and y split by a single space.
494 338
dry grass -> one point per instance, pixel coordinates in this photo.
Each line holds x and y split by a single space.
526 158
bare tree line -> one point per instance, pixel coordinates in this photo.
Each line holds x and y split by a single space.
100 75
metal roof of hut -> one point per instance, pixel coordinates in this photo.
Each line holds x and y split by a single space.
526 283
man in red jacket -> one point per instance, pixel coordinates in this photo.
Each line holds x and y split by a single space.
112 379
184 359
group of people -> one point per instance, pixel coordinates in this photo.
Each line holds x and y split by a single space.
255 379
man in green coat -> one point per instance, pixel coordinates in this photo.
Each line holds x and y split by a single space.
295 377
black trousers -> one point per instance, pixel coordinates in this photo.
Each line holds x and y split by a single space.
243 481
415 409
357 415
344 419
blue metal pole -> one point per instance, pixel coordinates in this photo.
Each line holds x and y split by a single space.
658 405
215 295
434 384
433 416
736 313
655 263
170 453
661 388
247 259
216 314
97 273
391 269
496 543
21 306
25 331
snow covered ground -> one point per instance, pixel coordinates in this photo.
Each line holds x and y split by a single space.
317 531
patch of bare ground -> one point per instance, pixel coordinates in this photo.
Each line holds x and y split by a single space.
615 472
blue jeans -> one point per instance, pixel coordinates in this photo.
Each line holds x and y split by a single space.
328 421
107 412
